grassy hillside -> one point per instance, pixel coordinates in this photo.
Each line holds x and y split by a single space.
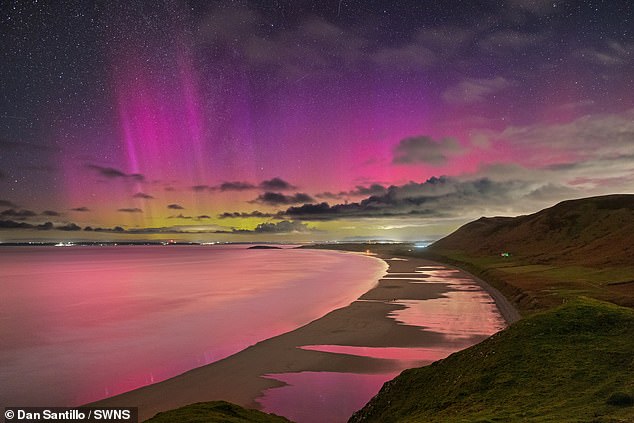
215 412
595 231
578 247
572 363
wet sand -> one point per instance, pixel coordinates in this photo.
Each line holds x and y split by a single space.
367 322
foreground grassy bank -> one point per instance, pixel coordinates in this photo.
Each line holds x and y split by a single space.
215 412
572 363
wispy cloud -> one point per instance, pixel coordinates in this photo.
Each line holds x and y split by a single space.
424 149
474 90
7 203
143 196
285 226
235 186
237 215
18 214
274 184
130 210
112 173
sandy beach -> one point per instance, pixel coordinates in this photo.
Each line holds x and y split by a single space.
367 322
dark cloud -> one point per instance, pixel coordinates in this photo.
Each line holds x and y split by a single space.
236 186
227 215
180 216
374 189
7 203
51 213
165 230
321 211
18 214
175 207
81 209
131 210
436 197
276 198
11 224
358 191
328 196
108 172
112 173
142 195
424 149
285 226
69 227
275 184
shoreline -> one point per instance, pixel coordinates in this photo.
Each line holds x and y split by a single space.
241 379
504 306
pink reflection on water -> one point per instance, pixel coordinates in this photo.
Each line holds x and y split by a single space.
83 323
465 315
462 314
412 356
318 397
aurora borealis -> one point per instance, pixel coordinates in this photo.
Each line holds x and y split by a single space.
299 120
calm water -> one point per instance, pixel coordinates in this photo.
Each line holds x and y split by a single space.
463 316
81 323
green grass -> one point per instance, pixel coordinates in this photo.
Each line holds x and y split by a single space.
215 412
574 363
535 287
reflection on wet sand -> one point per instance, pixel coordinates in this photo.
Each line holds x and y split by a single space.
322 396
438 300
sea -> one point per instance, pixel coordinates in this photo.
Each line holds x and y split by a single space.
82 323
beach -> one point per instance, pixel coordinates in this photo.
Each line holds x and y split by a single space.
419 312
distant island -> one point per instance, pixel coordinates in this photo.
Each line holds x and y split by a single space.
264 247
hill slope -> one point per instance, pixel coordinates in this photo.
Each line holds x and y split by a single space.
576 248
594 231
215 412
573 363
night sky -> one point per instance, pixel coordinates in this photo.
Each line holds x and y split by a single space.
300 120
